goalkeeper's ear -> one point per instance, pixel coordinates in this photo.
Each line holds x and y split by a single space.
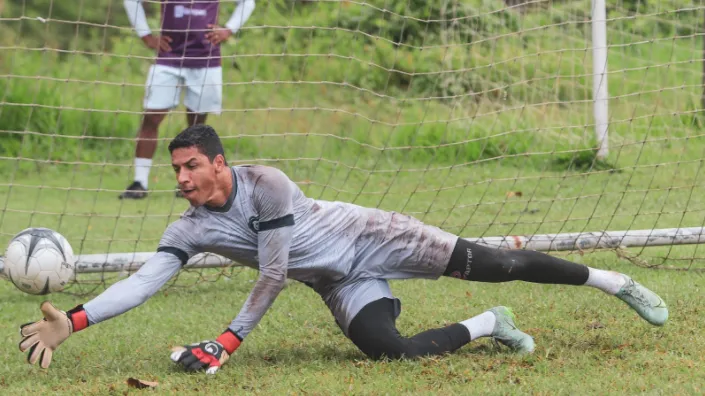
220 163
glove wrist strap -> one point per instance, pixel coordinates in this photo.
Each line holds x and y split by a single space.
78 318
229 340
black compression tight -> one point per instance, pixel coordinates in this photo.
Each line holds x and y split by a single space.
373 330
479 263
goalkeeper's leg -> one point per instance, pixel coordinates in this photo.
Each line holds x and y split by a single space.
475 262
373 330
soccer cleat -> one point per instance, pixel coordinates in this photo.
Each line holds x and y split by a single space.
178 193
645 302
134 191
506 332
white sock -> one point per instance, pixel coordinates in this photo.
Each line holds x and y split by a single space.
142 166
481 325
609 282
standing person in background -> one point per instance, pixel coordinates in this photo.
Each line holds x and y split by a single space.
188 56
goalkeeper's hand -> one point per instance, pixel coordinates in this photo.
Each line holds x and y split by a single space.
208 355
42 338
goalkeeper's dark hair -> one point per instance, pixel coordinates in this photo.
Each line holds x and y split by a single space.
201 136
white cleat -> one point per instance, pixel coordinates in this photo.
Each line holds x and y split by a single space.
506 332
645 302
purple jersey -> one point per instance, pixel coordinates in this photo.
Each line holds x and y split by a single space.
186 23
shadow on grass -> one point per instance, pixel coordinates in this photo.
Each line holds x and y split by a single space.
583 161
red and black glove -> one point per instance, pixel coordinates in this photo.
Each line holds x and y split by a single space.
209 355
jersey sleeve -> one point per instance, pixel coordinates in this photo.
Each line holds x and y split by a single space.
242 13
176 247
135 290
273 200
137 17
181 240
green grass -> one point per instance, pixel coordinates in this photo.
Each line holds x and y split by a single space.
587 342
351 121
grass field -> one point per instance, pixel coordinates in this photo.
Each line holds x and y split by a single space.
504 148
587 342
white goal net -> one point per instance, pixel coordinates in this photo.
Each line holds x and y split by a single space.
483 117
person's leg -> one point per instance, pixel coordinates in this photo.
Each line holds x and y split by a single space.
144 152
480 263
161 94
366 311
193 118
374 332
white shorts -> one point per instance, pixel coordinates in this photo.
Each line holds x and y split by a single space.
204 88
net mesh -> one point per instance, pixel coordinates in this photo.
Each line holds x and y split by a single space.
474 116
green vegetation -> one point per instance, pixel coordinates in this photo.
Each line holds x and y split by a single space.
482 127
366 83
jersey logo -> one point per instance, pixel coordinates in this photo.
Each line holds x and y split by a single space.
211 348
181 11
254 224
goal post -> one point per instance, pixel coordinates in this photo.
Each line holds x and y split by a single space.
541 242
600 92
546 125
128 262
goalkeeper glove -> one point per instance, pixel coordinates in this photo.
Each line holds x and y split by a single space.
42 338
207 354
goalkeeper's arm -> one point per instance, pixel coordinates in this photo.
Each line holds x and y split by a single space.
273 199
134 290
273 251
41 338
274 258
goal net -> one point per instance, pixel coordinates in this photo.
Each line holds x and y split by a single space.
550 125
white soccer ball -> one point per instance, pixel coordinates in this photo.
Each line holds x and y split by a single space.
39 261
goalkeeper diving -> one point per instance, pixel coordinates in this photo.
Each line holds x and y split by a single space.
257 216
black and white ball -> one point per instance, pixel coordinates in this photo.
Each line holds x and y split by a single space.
39 261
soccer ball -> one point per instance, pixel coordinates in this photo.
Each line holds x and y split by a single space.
39 261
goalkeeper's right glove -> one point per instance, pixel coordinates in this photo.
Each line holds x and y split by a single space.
208 355
42 338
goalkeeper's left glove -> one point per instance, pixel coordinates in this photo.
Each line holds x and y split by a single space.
207 354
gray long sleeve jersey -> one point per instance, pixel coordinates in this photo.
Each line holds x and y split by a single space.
267 224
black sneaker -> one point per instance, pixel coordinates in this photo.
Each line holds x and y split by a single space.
134 191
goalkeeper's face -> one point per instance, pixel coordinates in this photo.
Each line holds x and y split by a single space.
197 176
